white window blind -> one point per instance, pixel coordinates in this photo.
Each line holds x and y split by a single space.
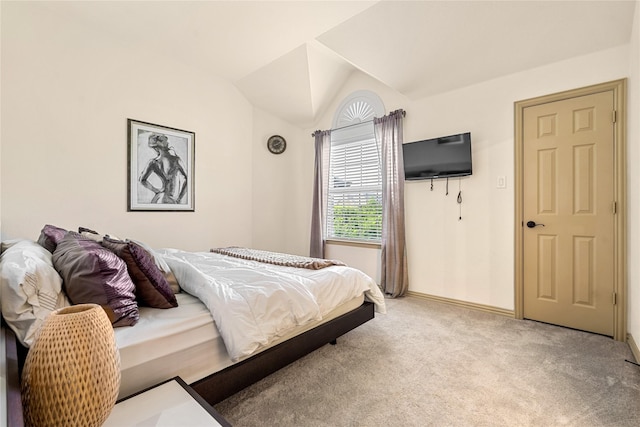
354 210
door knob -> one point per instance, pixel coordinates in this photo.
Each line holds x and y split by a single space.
532 224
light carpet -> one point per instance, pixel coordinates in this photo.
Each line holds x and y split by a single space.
431 364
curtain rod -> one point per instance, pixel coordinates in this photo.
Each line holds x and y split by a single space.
404 113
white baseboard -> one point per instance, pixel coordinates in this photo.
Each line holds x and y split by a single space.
459 303
634 347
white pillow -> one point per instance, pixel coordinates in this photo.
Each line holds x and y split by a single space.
30 288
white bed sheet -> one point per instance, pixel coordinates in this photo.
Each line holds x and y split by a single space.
254 303
182 341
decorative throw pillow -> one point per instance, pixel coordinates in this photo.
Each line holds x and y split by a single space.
50 236
152 289
90 234
162 265
93 235
30 287
93 274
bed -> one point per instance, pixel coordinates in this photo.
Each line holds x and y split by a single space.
213 332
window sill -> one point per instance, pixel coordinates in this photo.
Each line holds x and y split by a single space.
357 243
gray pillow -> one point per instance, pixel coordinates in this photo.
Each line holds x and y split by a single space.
50 236
93 274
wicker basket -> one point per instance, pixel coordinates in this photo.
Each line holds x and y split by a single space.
71 375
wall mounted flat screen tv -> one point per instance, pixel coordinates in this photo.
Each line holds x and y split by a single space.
438 157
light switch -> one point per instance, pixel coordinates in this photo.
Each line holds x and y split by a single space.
501 182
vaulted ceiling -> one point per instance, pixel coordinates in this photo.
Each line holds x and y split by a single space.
290 58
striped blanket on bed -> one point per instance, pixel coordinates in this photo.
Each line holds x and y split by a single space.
277 258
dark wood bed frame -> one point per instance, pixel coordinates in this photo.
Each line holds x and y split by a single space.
220 385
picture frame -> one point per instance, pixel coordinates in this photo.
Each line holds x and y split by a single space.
160 170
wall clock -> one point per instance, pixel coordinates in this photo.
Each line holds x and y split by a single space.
276 144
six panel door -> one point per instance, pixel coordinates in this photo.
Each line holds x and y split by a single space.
569 212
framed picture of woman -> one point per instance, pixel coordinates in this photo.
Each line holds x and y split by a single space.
160 168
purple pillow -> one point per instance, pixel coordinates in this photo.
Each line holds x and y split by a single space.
152 288
50 236
93 274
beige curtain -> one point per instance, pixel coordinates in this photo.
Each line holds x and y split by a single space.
320 182
394 277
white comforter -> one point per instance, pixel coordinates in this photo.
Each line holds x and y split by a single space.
254 303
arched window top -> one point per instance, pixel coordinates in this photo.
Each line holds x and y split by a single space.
354 195
360 106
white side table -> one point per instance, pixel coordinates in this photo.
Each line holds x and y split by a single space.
168 404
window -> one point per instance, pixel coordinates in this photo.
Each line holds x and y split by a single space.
354 210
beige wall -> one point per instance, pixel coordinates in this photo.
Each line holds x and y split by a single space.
633 181
277 181
67 91
1 414
472 259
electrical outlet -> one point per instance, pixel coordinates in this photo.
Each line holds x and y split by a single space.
501 182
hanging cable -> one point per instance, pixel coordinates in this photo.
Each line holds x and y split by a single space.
459 201
431 184
447 192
